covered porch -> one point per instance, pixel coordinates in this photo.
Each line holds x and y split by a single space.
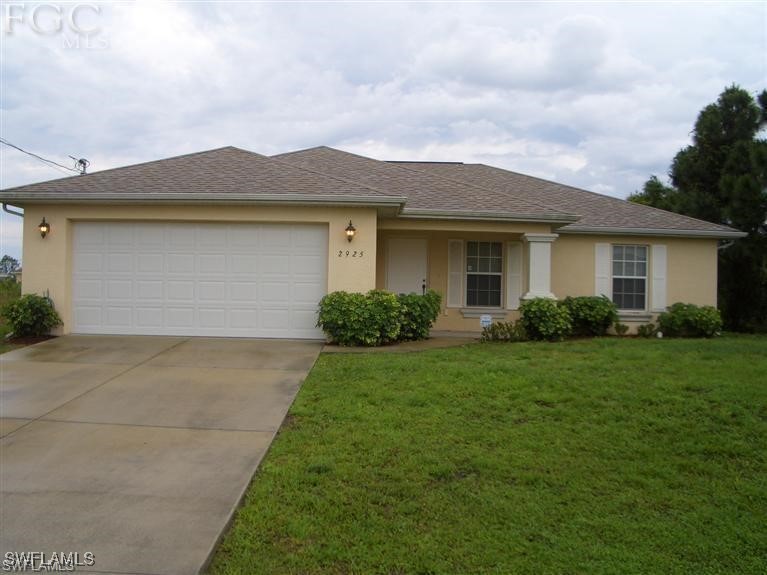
479 267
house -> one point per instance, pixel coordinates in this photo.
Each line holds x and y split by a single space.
232 243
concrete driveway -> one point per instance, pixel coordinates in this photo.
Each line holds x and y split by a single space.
137 449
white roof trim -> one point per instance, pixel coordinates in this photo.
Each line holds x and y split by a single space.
595 230
424 214
191 198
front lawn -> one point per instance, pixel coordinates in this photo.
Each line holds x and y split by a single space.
595 456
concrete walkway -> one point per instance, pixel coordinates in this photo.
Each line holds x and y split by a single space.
137 449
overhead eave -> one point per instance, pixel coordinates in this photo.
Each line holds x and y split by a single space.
393 203
422 214
714 234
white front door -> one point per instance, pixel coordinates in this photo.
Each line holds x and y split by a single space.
208 279
406 265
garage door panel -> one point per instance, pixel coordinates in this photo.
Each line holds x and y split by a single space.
275 238
274 264
182 236
212 318
244 264
243 238
89 262
180 290
148 317
243 291
179 317
275 292
89 237
87 288
304 293
88 317
119 316
120 262
120 289
212 236
211 291
150 236
257 280
275 318
120 237
180 263
149 289
243 318
150 263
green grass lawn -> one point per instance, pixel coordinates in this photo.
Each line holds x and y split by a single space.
594 456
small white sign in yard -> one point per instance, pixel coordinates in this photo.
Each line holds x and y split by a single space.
485 320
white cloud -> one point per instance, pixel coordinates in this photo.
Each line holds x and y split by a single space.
595 95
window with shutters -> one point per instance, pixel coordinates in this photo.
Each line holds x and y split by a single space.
629 277
484 269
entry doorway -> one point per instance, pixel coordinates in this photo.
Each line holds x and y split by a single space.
407 265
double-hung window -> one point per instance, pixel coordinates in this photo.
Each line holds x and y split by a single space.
630 277
484 269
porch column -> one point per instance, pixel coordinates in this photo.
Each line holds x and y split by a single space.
539 265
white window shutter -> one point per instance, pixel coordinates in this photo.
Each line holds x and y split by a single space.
603 284
513 274
658 266
455 266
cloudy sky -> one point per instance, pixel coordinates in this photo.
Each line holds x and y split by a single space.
595 95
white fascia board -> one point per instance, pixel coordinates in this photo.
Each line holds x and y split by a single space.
186 198
422 214
713 234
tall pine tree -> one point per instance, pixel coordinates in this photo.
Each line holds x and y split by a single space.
722 177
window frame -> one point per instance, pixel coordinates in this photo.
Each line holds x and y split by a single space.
646 276
467 273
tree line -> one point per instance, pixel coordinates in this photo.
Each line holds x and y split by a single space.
722 177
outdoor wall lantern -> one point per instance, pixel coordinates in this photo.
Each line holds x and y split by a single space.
350 231
45 227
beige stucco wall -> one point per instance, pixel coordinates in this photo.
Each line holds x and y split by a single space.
48 261
691 263
691 266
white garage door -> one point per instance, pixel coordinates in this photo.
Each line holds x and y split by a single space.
235 280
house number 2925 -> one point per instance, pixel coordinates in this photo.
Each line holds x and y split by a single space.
351 254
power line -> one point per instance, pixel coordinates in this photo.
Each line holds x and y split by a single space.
47 162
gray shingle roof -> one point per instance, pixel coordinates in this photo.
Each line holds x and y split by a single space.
425 193
596 211
222 174
327 176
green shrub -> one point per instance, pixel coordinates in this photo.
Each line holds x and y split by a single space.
360 319
31 316
689 320
621 328
384 312
504 331
418 314
591 315
647 330
547 319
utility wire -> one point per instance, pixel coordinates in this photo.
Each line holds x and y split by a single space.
50 163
